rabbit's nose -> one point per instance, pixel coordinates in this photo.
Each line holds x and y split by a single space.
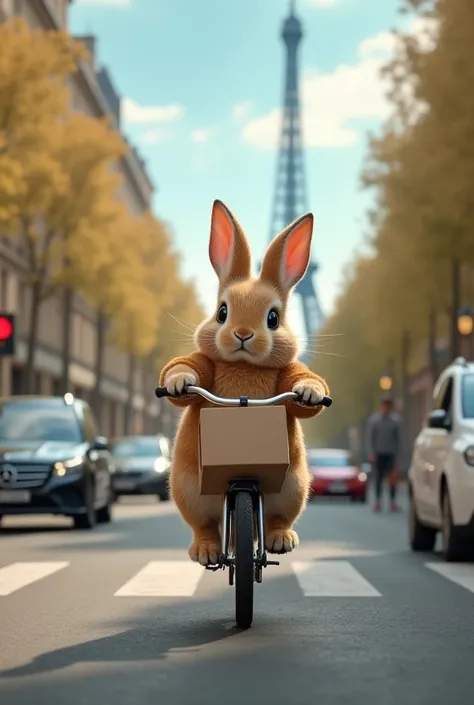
243 334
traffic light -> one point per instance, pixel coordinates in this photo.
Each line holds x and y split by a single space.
7 334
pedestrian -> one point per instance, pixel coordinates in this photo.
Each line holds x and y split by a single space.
383 450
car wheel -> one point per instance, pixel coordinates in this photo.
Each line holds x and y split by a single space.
164 496
455 548
422 538
88 519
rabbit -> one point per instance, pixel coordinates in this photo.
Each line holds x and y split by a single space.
245 347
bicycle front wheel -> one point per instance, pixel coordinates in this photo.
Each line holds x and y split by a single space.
244 563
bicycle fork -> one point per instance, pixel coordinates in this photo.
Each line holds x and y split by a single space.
260 555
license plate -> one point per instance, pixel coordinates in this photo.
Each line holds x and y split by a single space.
338 487
124 484
15 497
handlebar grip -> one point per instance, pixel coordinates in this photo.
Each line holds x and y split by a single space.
325 401
161 392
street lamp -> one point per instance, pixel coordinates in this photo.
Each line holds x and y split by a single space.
385 383
465 321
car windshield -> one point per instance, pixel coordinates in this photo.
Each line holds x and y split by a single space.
329 461
468 396
39 420
137 448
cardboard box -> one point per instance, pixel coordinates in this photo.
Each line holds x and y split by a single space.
243 443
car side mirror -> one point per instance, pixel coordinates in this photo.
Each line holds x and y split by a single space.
100 443
438 419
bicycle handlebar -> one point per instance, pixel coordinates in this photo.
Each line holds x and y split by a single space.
161 392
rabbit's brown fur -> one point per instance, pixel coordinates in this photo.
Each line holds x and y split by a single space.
261 368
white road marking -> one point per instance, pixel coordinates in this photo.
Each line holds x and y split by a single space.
17 575
164 579
332 579
460 573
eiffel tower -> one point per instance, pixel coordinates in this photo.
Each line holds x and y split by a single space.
290 200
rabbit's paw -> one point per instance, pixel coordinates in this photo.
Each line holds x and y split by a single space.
178 378
281 540
205 552
311 391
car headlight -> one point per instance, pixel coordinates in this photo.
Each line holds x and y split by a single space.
362 476
62 468
160 465
469 455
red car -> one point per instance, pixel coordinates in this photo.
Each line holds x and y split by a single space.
333 472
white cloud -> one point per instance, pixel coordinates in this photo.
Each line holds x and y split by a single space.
241 111
200 135
384 43
333 102
114 3
135 113
153 136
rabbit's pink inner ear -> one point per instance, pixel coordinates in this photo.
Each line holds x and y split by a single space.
222 235
297 251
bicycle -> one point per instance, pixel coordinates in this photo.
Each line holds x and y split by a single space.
242 510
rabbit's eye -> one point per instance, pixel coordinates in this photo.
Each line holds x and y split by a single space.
273 319
222 314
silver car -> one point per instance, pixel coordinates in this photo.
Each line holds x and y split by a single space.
142 465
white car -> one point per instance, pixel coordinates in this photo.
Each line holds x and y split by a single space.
441 475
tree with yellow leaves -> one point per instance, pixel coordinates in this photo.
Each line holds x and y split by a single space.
422 169
33 99
60 192
67 202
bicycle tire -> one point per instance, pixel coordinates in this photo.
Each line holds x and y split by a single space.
244 560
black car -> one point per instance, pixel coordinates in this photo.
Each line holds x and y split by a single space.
142 465
52 461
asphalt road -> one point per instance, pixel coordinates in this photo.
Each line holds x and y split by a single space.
121 616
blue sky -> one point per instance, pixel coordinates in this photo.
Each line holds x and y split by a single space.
202 81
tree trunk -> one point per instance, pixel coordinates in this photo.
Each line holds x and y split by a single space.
66 347
432 334
455 305
99 365
29 378
129 404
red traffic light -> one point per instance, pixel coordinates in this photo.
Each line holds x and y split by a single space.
6 328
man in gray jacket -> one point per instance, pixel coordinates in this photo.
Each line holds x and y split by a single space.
383 449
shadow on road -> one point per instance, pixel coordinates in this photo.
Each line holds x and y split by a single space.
332 653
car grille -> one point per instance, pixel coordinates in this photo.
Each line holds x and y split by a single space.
29 476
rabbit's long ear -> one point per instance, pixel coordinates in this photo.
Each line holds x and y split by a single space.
288 255
229 250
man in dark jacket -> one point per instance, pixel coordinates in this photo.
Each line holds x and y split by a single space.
383 449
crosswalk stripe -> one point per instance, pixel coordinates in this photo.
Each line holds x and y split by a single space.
320 578
164 579
460 573
332 579
17 575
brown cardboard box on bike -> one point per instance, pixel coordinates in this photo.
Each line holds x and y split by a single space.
243 443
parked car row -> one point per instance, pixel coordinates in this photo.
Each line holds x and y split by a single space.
53 461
